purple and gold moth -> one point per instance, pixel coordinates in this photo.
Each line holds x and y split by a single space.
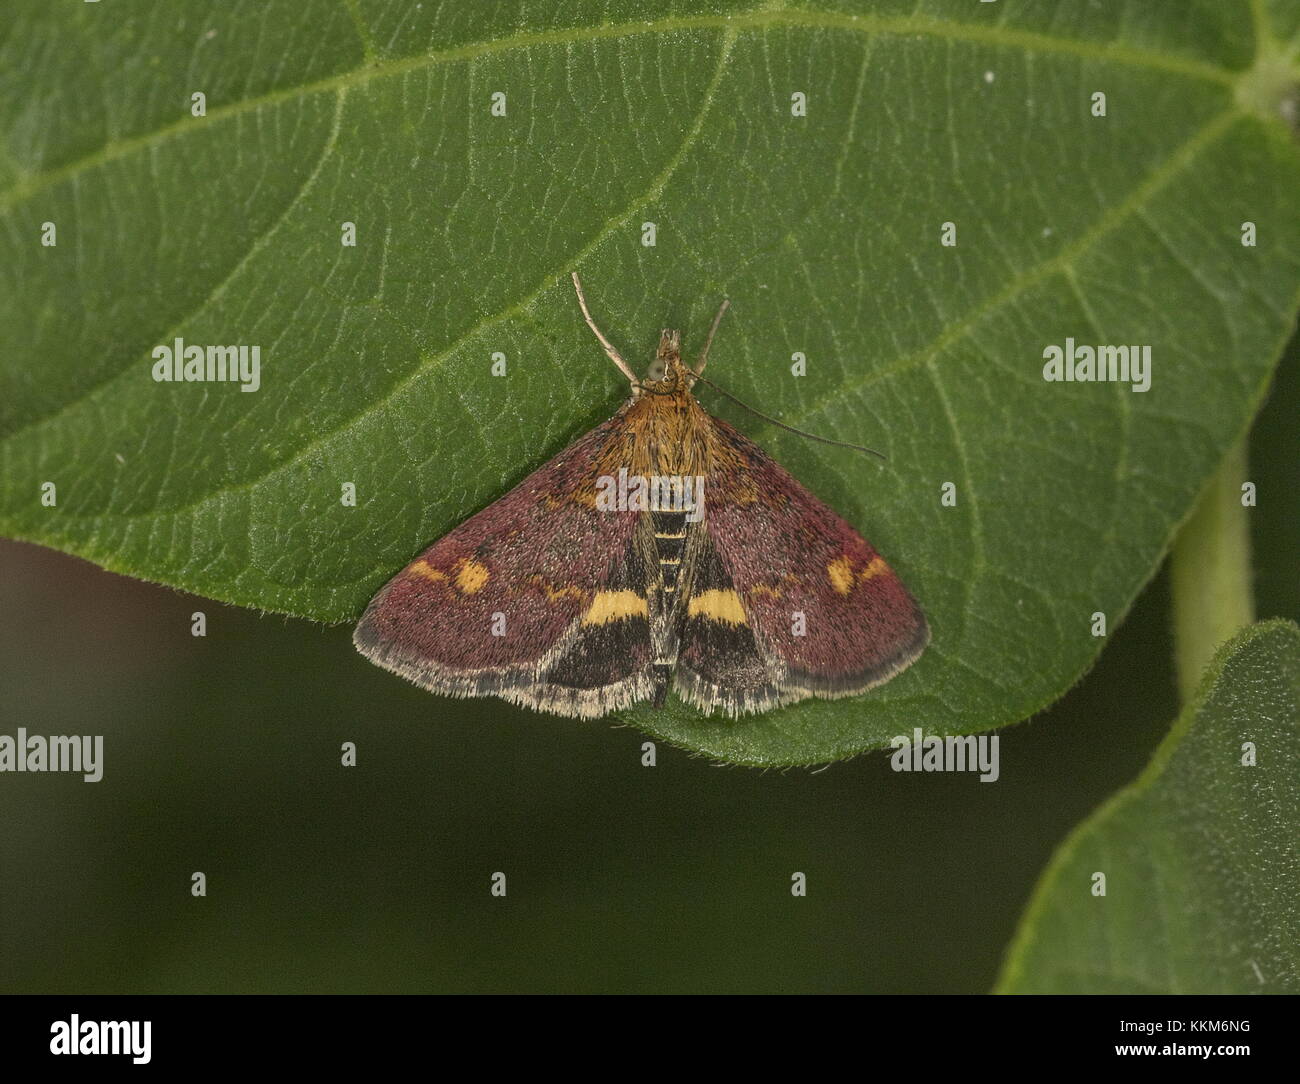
661 550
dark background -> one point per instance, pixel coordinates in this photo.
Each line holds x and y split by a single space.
222 754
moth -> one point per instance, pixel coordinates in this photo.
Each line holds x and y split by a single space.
662 550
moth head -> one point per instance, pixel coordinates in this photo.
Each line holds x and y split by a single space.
667 366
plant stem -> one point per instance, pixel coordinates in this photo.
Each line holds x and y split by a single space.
1210 573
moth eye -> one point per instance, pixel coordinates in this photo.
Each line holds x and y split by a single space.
656 371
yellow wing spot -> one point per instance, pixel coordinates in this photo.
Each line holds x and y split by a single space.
614 606
840 572
718 606
874 568
760 589
423 568
471 577
842 577
554 594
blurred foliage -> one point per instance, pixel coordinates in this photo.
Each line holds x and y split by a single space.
1187 881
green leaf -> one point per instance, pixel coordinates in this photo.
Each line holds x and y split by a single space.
824 231
1202 874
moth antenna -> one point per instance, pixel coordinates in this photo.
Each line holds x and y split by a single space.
611 351
704 354
782 425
